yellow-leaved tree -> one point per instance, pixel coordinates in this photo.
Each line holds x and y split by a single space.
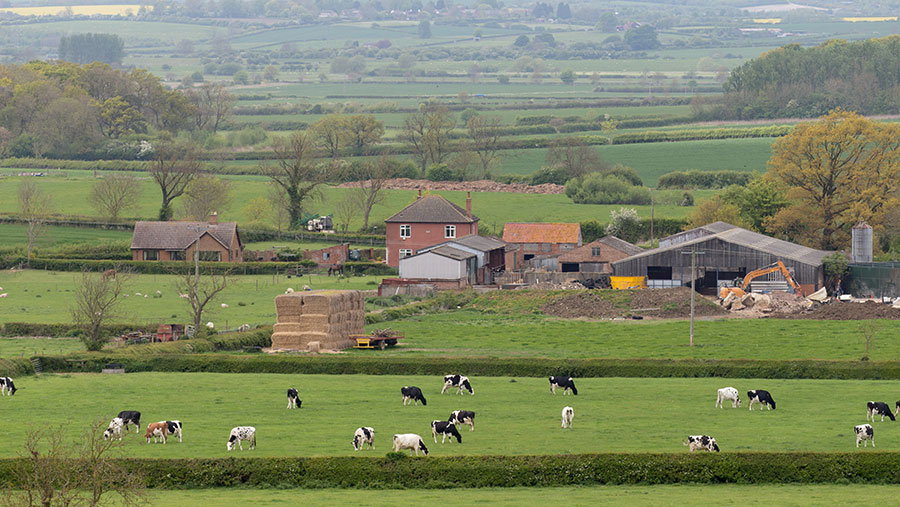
838 170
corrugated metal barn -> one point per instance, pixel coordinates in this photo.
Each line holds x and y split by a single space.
442 263
723 257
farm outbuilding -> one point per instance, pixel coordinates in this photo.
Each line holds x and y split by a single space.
722 257
442 263
489 254
596 256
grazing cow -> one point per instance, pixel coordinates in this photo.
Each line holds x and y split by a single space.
294 400
463 417
728 393
875 408
7 386
114 429
898 408
174 428
864 433
761 397
157 430
446 429
131 417
409 441
364 435
698 442
239 434
244 328
565 382
568 413
412 393
459 382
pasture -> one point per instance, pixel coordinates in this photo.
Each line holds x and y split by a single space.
54 235
638 496
46 297
19 347
514 416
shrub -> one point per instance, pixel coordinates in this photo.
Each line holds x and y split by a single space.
703 179
606 188
440 172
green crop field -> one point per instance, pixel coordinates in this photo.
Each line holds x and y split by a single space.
46 297
469 332
638 496
516 416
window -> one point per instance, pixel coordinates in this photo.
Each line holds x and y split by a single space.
210 255
326 256
405 231
596 251
176 255
449 231
151 255
405 252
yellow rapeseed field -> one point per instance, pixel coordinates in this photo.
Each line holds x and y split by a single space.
83 10
871 18
767 20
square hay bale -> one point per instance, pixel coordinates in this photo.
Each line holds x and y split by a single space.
328 317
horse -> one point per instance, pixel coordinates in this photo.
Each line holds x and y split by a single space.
337 269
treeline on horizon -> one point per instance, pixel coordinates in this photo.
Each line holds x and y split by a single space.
797 82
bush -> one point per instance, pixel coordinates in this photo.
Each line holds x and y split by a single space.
703 179
606 188
556 175
440 172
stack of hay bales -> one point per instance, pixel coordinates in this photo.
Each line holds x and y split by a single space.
328 317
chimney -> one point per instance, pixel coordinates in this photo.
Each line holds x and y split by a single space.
213 218
420 194
469 204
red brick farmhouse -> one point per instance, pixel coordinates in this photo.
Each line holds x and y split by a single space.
429 220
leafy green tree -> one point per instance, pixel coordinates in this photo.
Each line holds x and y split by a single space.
91 47
642 38
522 41
567 76
296 173
424 29
118 118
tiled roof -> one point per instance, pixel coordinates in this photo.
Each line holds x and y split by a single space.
585 253
432 209
179 235
541 233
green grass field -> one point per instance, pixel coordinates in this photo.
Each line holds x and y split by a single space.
515 416
731 494
27 347
52 236
46 297
468 333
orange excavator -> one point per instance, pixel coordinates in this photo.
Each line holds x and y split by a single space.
772 268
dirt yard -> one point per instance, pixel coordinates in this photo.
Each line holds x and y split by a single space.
844 311
656 303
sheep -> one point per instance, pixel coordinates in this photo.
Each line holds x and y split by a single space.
244 328
224 305
289 290
210 325
185 296
4 295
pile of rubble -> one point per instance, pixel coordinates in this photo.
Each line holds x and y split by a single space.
775 302
471 186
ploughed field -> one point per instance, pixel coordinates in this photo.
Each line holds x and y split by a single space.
513 416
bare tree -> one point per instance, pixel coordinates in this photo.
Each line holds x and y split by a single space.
97 301
575 156
428 133
296 172
204 195
114 194
371 179
34 205
213 105
201 290
346 210
281 208
485 136
173 167
52 471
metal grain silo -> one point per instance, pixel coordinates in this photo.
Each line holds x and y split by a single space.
862 243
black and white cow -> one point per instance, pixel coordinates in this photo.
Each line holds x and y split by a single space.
114 429
565 382
699 442
864 433
131 417
463 417
459 382
412 393
174 428
728 394
568 413
239 434
409 441
364 435
898 408
762 397
876 408
446 429
294 400
7 386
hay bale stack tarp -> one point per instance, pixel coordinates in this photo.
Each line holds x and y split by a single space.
325 316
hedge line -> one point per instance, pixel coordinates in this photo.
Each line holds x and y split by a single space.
652 136
162 267
484 366
14 367
65 330
703 179
397 470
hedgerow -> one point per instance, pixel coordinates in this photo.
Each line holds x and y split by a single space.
162 267
703 179
398 470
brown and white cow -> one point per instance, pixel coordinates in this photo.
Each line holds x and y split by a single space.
159 431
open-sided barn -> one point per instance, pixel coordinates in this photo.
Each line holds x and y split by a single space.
724 252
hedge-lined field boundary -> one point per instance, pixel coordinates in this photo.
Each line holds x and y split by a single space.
400 471
169 358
